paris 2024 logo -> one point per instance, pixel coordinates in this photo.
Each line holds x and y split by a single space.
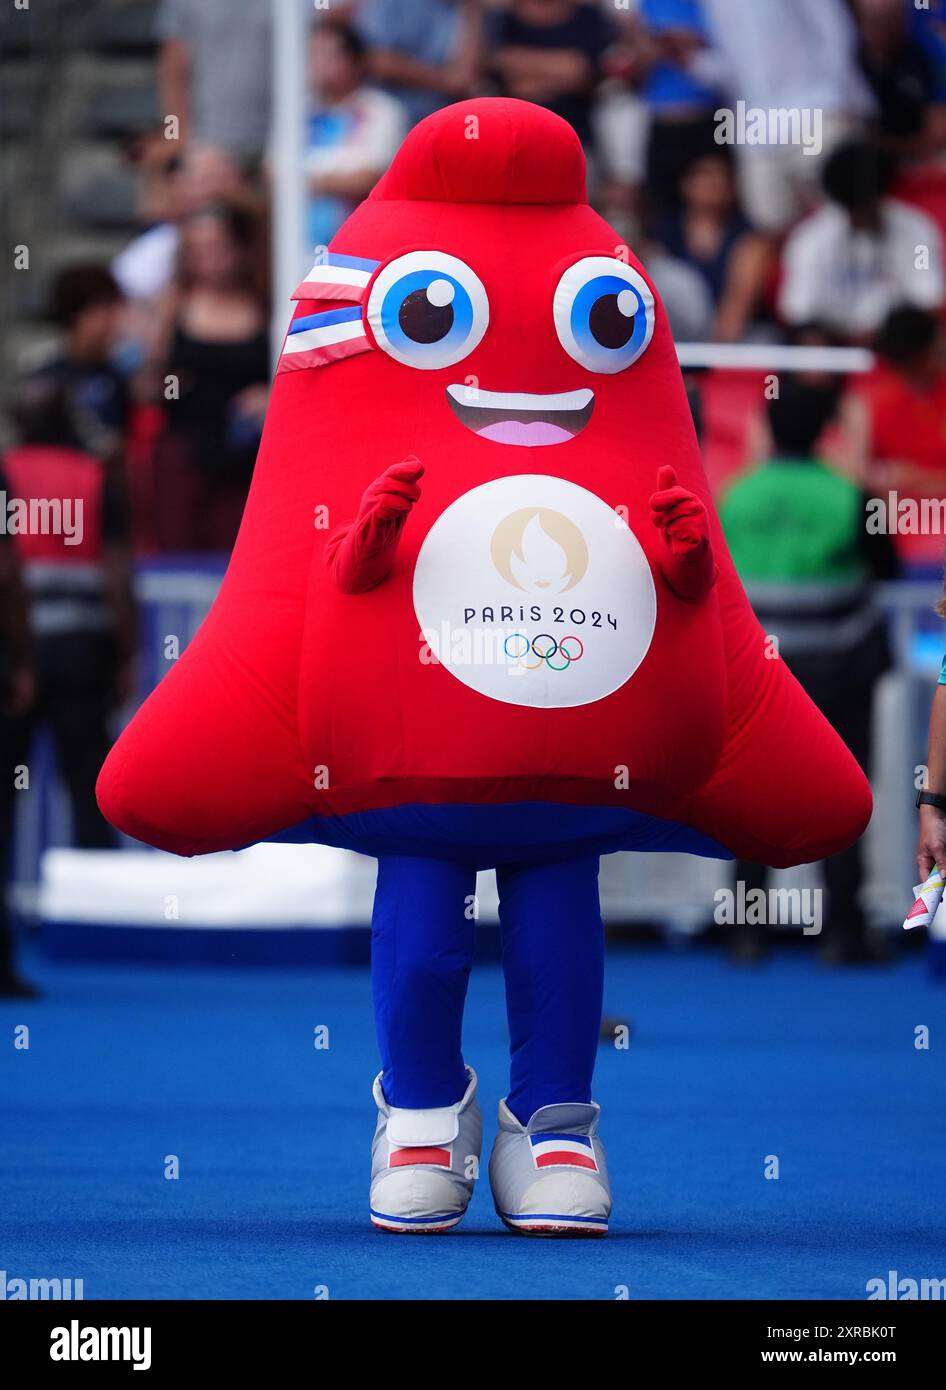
552 605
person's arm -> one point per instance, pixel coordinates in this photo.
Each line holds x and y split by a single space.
351 184
746 273
544 71
361 554
931 843
687 562
174 66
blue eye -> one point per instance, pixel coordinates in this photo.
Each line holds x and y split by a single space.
604 314
428 310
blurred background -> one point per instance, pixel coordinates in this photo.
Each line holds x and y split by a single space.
154 152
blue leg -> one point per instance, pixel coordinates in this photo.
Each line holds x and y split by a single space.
553 958
421 954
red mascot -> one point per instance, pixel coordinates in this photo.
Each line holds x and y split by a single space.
480 614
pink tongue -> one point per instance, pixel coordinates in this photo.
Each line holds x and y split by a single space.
529 435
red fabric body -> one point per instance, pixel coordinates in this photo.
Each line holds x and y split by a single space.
291 682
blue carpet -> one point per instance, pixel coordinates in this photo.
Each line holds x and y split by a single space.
126 1066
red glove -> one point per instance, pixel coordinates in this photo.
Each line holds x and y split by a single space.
361 553
688 564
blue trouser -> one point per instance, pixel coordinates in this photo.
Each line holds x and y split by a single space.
553 958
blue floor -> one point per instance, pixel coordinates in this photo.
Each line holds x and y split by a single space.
126 1066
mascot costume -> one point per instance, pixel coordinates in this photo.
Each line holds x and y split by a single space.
481 614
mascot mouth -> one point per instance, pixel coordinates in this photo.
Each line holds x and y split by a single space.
516 417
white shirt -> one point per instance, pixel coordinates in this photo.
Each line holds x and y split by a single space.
785 53
146 266
850 280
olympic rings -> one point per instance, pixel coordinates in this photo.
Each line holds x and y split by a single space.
531 648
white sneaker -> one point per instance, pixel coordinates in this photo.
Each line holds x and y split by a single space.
424 1163
549 1177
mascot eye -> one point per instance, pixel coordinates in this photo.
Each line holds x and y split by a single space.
604 314
428 310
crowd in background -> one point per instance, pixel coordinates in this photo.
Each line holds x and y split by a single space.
159 388
812 240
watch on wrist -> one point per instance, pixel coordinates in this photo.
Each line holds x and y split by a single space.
931 799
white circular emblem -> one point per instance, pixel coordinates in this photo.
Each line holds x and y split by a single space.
533 591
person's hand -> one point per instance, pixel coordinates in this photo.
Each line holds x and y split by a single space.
931 844
361 555
391 496
22 692
679 515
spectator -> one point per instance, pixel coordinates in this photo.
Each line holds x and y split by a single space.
87 305
683 292
896 419
621 122
17 695
215 351
927 26
353 134
794 56
424 52
909 91
681 104
798 536
711 235
173 189
847 265
214 73
76 566
550 52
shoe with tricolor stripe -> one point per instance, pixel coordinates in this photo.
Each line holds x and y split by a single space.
549 1177
424 1163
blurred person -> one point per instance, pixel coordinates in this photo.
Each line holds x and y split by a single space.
214 73
683 292
798 536
550 52
796 56
848 264
931 799
17 695
620 122
681 104
76 566
173 188
711 234
214 348
425 53
87 305
895 418
927 26
909 91
353 133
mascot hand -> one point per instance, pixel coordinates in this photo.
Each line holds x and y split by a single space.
361 553
689 566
